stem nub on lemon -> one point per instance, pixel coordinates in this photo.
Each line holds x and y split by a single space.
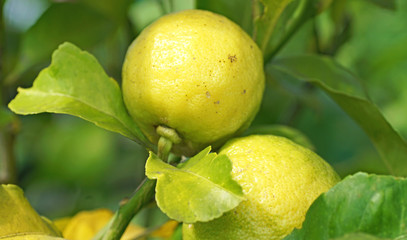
280 180
195 72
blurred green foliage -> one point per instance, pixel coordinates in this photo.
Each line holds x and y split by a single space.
66 164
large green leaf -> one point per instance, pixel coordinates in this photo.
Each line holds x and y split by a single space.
76 84
18 220
61 22
199 190
349 94
359 206
280 19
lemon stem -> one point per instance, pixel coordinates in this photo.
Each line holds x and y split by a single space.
169 133
168 137
164 148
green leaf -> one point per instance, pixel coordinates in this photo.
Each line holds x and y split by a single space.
239 11
115 10
61 22
389 4
362 236
76 84
199 190
280 19
266 22
349 94
18 220
283 131
360 205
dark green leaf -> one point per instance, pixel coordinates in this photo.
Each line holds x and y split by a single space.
359 206
61 22
142 13
6 117
266 22
76 84
280 19
200 190
18 220
389 4
349 94
115 10
283 131
239 11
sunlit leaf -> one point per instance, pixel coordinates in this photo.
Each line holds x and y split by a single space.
200 190
349 94
76 84
61 22
18 220
361 206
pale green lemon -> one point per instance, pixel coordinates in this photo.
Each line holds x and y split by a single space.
196 72
280 180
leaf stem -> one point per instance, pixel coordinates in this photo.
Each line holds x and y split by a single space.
116 227
164 148
126 212
298 22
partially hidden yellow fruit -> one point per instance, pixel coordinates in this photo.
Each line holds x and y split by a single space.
86 224
196 72
280 180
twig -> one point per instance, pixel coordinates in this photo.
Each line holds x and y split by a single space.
126 212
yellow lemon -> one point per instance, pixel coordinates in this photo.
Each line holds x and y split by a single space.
86 224
196 72
280 180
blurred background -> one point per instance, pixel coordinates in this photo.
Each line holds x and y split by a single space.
65 164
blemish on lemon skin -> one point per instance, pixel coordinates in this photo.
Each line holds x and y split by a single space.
208 94
217 102
244 91
232 58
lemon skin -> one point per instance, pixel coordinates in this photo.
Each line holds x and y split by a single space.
280 180
196 72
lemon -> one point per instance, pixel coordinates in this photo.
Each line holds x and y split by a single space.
196 72
280 180
86 224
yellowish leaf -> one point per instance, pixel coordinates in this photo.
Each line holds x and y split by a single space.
18 220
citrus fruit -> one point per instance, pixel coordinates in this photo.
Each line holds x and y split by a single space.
280 180
195 72
86 224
